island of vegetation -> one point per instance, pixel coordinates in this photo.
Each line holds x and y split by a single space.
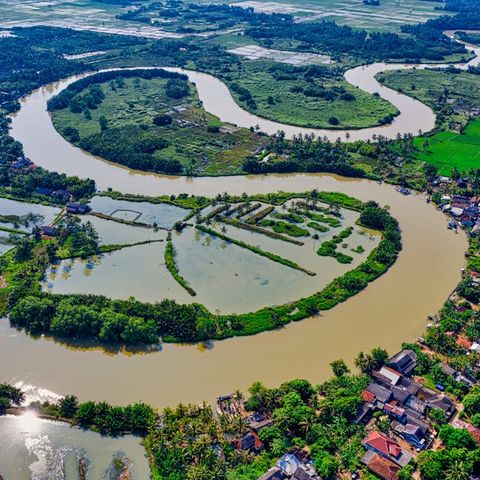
150 120
81 316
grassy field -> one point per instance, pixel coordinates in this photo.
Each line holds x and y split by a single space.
296 108
447 150
202 152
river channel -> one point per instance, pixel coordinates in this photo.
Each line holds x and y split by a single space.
393 309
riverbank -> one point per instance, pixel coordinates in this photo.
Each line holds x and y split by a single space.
211 369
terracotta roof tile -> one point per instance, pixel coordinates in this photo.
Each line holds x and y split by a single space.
381 443
383 468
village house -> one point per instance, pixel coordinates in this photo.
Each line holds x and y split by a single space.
48 231
475 432
379 443
294 465
21 163
77 208
415 435
464 209
380 466
248 443
273 473
404 361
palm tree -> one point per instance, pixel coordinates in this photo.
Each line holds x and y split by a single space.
365 362
458 471
33 219
239 426
238 395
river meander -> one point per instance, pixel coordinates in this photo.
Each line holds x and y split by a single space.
393 309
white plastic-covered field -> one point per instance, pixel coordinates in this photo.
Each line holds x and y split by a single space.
254 52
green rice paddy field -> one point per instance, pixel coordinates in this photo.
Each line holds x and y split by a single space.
447 150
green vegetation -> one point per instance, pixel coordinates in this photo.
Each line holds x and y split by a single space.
317 226
150 120
10 396
172 266
184 200
74 239
317 217
132 322
254 249
255 228
310 96
260 215
451 151
452 93
29 184
101 417
291 217
329 247
285 227
189 18
320 418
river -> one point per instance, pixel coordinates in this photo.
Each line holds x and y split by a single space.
391 310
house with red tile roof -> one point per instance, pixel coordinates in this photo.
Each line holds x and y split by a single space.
380 466
368 397
386 447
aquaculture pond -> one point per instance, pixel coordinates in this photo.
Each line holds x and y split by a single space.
226 277
112 232
13 214
163 215
36 449
137 271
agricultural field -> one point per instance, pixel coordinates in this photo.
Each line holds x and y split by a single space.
255 52
388 16
447 150
102 17
77 14
199 142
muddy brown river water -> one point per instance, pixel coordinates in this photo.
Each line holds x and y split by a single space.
390 311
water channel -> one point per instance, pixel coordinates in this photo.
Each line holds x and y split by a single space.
390 311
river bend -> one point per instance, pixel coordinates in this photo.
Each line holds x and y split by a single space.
391 310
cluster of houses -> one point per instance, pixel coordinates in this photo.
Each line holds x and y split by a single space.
407 403
394 393
49 231
464 210
294 465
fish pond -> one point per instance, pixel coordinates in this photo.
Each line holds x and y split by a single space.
236 259
22 215
162 215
